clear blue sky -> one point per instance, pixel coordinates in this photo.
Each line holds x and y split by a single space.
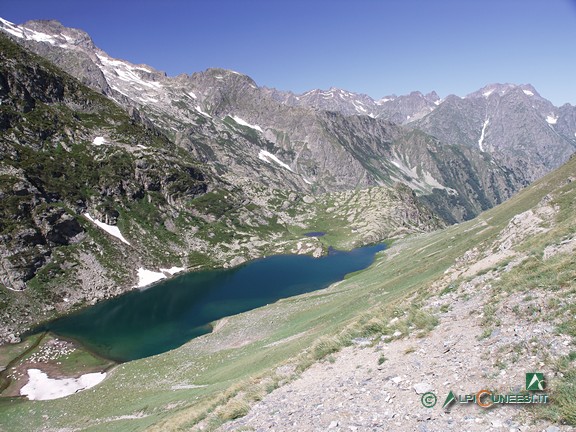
368 46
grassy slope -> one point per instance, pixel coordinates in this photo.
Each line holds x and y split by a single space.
239 358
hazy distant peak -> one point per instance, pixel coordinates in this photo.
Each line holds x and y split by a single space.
502 89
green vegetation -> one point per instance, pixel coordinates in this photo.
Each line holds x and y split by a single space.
81 360
10 352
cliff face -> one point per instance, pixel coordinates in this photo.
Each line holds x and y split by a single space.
66 152
513 123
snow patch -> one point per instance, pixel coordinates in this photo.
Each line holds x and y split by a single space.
269 157
60 40
528 93
110 229
40 387
173 270
26 33
245 123
551 119
148 277
142 68
11 28
98 141
306 180
424 182
125 72
202 112
487 93
192 95
481 140
360 109
40 37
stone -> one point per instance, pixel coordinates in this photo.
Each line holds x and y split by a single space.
236 261
362 342
422 388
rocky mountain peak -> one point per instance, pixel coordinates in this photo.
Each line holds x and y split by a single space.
407 108
497 89
49 31
433 96
529 90
224 77
55 28
386 99
512 121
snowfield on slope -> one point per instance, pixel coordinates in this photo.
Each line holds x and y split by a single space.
245 123
269 157
110 229
40 387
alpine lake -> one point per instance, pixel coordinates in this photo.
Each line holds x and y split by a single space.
146 322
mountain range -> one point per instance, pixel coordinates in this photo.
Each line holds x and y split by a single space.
212 169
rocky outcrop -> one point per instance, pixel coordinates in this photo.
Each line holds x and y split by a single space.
398 109
513 123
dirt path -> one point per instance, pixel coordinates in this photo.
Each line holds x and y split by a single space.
351 391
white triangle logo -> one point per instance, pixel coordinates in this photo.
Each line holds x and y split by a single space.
534 381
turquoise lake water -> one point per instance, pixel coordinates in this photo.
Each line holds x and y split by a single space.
143 323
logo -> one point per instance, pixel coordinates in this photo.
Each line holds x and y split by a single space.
487 402
486 398
428 399
535 381
449 399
